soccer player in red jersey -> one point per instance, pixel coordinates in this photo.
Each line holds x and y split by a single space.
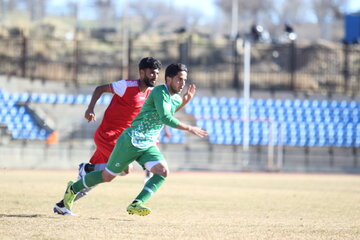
129 97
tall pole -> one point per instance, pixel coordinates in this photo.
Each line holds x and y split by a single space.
125 43
234 19
246 112
234 40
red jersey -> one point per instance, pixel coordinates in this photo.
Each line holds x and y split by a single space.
123 108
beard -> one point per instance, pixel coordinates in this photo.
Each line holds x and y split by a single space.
148 82
174 90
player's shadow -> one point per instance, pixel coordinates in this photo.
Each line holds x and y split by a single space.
23 215
47 216
112 219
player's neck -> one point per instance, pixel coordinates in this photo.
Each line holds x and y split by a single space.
169 89
142 86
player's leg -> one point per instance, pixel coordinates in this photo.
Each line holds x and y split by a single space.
94 167
119 160
84 168
153 161
100 167
59 207
105 142
148 175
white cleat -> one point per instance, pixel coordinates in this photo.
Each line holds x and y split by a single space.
63 211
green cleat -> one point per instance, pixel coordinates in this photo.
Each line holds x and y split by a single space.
138 208
69 196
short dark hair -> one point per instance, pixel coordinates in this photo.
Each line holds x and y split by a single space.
149 62
173 69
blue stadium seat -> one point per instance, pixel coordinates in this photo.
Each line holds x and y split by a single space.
60 99
204 101
233 101
70 99
34 97
334 104
52 98
213 101
353 104
43 98
269 103
106 99
15 96
223 101
80 99
278 103
189 109
305 103
299 122
88 98
344 104
324 104
288 103
195 101
315 104
259 102
24 97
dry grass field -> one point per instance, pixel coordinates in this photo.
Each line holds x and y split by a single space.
190 205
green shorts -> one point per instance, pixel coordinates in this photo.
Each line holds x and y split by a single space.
125 153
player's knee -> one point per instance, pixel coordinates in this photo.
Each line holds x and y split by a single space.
107 177
161 170
164 173
128 170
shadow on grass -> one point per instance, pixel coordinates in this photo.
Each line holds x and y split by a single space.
112 219
47 216
23 215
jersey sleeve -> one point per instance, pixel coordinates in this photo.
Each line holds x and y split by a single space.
163 107
119 87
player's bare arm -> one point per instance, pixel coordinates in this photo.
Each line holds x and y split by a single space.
193 130
89 113
190 93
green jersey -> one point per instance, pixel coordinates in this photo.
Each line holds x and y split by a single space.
157 111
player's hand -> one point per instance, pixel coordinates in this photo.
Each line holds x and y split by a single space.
90 115
189 93
198 131
167 132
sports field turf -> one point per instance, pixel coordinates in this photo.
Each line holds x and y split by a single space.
190 205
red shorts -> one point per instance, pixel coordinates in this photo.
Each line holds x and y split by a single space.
105 143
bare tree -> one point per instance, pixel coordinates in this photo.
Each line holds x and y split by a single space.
37 9
326 11
106 12
2 10
160 16
287 12
73 7
290 11
11 5
250 12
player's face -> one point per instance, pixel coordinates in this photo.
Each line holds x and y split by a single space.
150 76
177 83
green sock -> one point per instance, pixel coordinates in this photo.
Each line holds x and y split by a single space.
91 179
151 186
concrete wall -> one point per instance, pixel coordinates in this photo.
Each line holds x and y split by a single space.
76 144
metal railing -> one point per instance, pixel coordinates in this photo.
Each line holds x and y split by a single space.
314 68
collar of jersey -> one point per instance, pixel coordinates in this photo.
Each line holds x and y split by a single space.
169 91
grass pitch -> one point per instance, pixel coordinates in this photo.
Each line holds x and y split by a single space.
191 205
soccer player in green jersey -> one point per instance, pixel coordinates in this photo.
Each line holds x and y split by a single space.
138 143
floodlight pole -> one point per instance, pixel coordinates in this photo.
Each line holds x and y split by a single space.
234 19
125 42
246 102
